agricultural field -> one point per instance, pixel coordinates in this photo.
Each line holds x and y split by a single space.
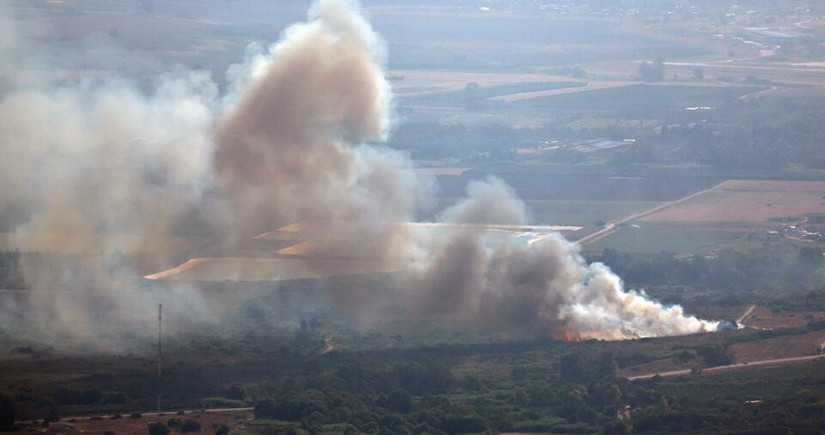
263 269
609 121
652 238
724 216
640 100
582 212
751 203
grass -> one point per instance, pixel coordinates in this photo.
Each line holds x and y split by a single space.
461 97
553 212
649 238
572 212
781 383
640 100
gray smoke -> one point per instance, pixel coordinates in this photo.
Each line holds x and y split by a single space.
105 172
288 152
110 172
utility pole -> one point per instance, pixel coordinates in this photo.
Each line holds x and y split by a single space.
160 348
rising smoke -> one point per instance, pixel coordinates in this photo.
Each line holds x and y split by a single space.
110 171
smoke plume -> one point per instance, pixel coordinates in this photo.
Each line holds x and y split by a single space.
113 172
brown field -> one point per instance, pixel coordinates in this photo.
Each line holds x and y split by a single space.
764 318
779 347
235 420
748 202
782 346
296 252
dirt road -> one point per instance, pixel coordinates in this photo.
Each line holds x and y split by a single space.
737 366
745 315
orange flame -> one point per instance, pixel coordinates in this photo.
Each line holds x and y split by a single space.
580 336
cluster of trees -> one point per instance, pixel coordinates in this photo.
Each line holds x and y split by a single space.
652 72
90 397
760 135
757 134
778 400
577 393
184 426
757 273
543 386
368 396
436 141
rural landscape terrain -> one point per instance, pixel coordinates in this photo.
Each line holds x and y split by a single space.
412 217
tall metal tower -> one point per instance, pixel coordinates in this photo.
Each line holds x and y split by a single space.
160 349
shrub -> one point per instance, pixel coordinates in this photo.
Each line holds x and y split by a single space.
158 429
191 426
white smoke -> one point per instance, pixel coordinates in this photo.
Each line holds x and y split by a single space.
110 171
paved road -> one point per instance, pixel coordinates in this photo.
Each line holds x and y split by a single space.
614 226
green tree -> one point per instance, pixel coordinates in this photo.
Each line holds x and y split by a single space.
191 425
158 429
400 401
570 368
265 409
235 392
654 72
7 413
606 365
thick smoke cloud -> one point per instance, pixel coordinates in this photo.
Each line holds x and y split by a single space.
112 171
93 177
286 154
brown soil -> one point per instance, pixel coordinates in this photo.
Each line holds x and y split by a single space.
748 201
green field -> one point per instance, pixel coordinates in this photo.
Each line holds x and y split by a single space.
640 100
464 96
564 212
584 212
649 238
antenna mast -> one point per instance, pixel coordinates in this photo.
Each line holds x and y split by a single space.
160 348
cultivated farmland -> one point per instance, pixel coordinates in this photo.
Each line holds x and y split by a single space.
748 202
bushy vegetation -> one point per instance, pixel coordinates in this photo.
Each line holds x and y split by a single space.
776 273
765 137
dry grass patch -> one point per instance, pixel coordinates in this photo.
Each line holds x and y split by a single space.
748 201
